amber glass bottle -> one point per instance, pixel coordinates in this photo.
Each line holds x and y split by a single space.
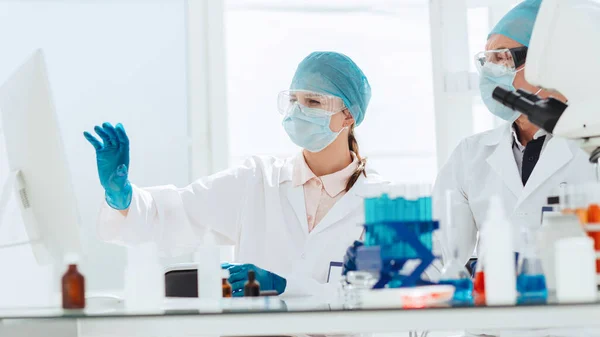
73 287
252 287
227 291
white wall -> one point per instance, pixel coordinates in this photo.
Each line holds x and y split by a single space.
389 40
118 61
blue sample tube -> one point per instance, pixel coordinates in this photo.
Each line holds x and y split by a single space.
372 203
393 210
416 205
370 209
425 205
424 196
411 211
397 193
401 206
384 207
422 208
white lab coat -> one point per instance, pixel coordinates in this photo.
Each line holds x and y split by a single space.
484 165
256 207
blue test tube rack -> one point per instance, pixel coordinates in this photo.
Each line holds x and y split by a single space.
390 245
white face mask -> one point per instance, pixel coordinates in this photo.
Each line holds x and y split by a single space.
309 128
492 76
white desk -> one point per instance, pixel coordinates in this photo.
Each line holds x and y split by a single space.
319 320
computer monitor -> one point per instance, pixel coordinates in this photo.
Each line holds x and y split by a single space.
38 167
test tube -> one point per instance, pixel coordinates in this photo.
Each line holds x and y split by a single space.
425 202
397 193
383 204
372 194
425 213
412 202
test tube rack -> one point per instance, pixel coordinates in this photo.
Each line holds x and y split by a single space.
390 245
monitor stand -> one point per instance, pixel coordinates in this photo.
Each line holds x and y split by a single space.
15 182
32 283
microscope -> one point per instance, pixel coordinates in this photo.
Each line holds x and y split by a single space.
563 57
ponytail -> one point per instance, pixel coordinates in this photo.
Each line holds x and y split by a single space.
362 162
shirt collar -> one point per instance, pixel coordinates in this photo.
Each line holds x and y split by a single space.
515 133
333 183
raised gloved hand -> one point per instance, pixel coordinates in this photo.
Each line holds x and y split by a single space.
239 276
350 257
112 157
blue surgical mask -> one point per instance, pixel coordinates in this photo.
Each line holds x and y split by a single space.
492 76
309 128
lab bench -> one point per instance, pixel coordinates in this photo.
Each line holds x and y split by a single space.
292 317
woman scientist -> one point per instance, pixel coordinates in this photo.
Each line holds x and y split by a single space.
517 161
288 218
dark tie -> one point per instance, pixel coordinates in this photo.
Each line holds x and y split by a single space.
531 155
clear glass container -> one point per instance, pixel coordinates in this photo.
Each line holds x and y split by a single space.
454 272
531 281
353 284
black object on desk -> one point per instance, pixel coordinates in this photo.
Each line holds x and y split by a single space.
181 283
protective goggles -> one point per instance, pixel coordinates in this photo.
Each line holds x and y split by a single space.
310 102
512 58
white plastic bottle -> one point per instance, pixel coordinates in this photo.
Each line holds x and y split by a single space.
144 280
575 282
209 273
499 253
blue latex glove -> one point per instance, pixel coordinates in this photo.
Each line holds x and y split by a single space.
350 257
112 157
239 276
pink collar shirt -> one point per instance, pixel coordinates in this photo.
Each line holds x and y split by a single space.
320 193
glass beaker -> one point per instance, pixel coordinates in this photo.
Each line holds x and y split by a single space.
531 281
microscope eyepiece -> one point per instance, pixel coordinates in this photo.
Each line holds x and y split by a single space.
544 113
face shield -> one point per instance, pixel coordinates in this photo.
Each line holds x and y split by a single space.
500 61
311 103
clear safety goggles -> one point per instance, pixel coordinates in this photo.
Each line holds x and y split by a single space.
512 58
310 102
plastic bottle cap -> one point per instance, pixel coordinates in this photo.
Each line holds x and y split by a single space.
225 273
71 258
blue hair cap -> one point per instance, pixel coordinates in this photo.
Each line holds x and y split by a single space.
518 23
335 74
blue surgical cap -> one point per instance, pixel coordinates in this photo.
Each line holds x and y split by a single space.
518 23
337 75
